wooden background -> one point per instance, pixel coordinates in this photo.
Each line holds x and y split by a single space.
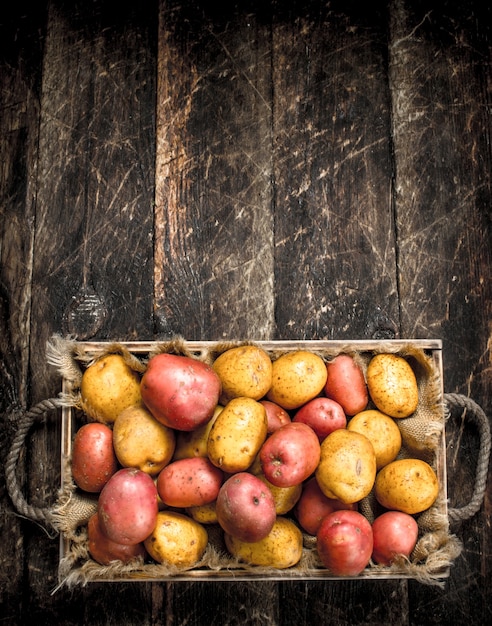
264 170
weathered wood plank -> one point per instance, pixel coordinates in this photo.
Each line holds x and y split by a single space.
21 41
334 230
440 70
93 256
214 225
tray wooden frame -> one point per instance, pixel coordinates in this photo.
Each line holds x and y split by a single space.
432 347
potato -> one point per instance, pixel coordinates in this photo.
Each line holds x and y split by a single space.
297 377
176 540
141 441
346 385
127 506
285 498
382 432
313 506
93 457
347 466
245 371
281 548
392 385
245 507
394 535
408 485
109 386
189 482
204 514
181 392
237 435
344 542
103 550
193 443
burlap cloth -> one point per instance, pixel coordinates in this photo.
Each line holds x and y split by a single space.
422 436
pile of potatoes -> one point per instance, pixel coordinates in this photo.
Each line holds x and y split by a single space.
267 450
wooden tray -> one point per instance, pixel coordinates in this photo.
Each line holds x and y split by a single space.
432 348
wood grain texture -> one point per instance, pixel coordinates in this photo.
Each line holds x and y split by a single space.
214 223
264 170
20 77
334 229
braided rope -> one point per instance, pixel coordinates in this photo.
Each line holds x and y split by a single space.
26 421
474 413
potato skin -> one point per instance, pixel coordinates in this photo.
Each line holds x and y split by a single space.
382 431
347 467
93 457
109 386
345 542
245 371
297 377
127 506
392 385
237 435
176 540
193 443
103 550
245 507
180 392
346 385
189 482
281 548
407 485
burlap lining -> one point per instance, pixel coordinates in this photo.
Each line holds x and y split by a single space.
422 434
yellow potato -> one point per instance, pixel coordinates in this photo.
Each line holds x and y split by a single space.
285 498
392 385
245 371
176 540
281 548
382 432
204 514
237 435
347 467
108 387
408 485
297 377
193 443
140 441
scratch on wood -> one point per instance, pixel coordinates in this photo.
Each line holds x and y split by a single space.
171 156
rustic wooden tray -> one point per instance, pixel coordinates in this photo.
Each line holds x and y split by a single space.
432 348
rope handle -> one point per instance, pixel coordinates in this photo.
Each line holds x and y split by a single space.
472 412
36 414
469 410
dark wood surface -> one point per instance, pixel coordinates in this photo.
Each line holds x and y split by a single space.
267 170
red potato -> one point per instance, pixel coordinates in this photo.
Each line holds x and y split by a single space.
104 551
189 482
93 458
346 385
290 455
344 542
313 506
324 415
128 506
180 392
395 533
276 416
245 507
